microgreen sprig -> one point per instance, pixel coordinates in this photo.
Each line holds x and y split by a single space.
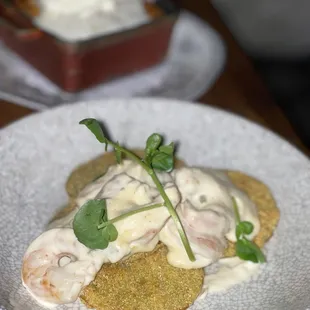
92 226
125 215
89 226
246 249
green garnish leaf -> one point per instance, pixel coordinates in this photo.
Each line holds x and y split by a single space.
152 144
244 228
105 235
163 162
159 157
167 149
163 159
94 126
244 251
86 221
247 250
112 232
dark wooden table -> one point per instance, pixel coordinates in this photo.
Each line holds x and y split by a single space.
239 89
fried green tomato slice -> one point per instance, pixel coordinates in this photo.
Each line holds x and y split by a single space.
143 281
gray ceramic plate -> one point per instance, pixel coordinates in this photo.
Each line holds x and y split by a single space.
38 152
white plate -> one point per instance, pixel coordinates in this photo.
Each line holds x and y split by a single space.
38 153
195 59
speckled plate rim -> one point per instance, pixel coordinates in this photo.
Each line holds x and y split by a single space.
154 100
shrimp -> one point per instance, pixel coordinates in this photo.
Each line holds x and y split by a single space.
205 230
56 267
206 217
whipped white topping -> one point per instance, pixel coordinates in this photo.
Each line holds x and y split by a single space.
74 20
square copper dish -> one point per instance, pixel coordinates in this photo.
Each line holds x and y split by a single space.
75 66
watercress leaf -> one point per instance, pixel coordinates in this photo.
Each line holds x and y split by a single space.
167 149
118 155
104 242
112 232
239 231
85 224
244 228
163 162
152 144
258 252
247 250
94 126
247 227
105 234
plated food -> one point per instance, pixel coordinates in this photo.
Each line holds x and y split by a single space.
39 152
143 229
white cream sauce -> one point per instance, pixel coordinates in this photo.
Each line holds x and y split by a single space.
206 211
73 20
231 271
44 263
203 201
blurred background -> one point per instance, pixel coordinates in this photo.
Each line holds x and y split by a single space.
275 35
271 35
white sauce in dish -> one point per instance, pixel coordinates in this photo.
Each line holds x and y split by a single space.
57 266
73 20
